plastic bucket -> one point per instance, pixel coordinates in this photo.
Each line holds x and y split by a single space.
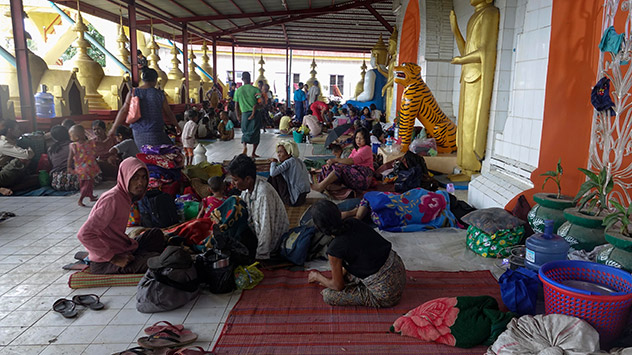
298 137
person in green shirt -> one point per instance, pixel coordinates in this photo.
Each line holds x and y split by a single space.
247 103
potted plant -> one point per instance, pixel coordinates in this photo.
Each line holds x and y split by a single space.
548 205
584 229
618 233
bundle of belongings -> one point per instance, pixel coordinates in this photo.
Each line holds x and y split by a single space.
462 322
493 231
164 163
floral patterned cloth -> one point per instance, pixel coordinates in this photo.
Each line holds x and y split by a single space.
64 181
463 322
415 210
85 159
496 245
167 161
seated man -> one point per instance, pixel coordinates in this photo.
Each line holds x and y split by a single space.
13 160
266 214
110 250
315 128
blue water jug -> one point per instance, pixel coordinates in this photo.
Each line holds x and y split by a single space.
44 104
545 247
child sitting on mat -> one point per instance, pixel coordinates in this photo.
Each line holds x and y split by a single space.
209 204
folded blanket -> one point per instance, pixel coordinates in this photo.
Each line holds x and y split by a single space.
167 161
158 172
160 149
463 322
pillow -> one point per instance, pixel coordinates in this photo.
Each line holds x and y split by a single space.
491 220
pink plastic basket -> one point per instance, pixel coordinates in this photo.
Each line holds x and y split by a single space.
608 314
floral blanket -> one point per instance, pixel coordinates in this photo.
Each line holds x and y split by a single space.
463 322
415 210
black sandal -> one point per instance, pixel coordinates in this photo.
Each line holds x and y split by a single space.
65 307
92 301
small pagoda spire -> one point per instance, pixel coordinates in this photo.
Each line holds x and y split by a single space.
175 73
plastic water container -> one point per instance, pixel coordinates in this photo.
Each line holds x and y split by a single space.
545 247
389 145
44 104
180 208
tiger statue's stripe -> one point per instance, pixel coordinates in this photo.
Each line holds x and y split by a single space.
419 103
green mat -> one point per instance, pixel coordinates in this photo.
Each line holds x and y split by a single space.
319 149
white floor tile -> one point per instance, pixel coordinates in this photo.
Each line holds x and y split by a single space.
8 334
118 334
22 318
22 349
63 349
83 334
39 336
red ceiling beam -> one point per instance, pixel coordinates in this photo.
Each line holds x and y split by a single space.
380 18
27 103
314 12
287 42
342 7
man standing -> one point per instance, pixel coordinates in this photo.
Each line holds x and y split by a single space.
246 100
299 103
313 93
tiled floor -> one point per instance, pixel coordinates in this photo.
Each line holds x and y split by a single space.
36 243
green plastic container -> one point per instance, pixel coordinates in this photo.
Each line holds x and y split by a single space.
190 209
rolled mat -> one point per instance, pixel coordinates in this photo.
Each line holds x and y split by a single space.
85 279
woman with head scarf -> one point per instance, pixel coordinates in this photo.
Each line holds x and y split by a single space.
288 174
110 250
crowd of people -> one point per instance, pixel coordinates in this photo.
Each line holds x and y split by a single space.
365 269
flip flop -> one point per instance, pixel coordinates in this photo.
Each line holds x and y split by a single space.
138 350
158 327
194 350
167 339
65 307
80 255
92 301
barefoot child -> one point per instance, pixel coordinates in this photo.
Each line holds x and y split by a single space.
125 147
225 127
82 156
209 204
188 136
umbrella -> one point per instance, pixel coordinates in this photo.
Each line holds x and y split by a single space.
335 133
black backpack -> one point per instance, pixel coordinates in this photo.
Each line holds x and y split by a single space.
157 209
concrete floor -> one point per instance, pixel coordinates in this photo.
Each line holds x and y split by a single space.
42 238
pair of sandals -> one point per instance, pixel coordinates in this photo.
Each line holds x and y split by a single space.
68 308
165 338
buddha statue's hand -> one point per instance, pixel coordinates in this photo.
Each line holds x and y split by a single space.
453 23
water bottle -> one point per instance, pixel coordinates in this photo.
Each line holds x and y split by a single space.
44 104
545 247
180 208
389 145
449 188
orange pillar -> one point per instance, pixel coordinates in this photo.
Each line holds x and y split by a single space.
571 73
409 40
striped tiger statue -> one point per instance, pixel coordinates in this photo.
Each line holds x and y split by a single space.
418 102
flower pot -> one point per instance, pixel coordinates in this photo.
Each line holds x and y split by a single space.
619 240
615 257
582 231
548 206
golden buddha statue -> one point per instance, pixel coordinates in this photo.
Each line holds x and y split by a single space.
360 85
387 90
478 60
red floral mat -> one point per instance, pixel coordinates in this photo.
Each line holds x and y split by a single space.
286 315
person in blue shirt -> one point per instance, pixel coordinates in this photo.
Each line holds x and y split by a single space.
299 102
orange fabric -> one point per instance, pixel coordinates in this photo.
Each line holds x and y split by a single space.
572 71
409 40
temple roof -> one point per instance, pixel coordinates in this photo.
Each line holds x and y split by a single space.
336 25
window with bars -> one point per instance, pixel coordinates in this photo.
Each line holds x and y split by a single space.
336 85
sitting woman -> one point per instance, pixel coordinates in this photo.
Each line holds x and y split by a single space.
354 172
288 175
415 210
365 270
61 179
103 143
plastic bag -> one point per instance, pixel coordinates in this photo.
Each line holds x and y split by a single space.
247 277
519 290
424 146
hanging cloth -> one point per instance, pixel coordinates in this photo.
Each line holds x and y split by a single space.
600 96
611 41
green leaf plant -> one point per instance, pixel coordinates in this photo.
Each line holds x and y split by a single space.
621 215
555 176
592 197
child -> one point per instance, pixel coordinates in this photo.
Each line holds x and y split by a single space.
209 204
103 144
125 147
377 137
188 136
336 149
82 156
284 123
375 113
353 115
225 127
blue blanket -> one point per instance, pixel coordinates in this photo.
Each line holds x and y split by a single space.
44 191
415 210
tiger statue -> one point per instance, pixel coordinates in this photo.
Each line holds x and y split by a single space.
418 102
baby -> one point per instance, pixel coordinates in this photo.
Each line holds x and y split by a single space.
218 188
